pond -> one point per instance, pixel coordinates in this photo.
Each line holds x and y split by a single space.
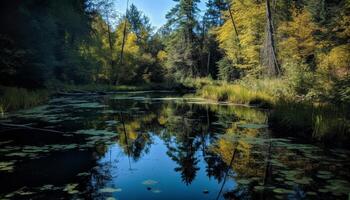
144 145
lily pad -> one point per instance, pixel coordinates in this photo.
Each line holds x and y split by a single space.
282 191
47 187
110 190
83 174
7 166
149 182
311 193
71 188
253 126
259 188
243 181
156 191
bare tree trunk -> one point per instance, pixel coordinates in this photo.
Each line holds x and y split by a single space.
238 57
270 57
234 24
208 63
111 49
124 35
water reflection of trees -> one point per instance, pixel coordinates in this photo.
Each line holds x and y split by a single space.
211 133
190 131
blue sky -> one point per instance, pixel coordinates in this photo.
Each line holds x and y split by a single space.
154 9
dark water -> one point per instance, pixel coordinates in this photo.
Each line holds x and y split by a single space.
160 146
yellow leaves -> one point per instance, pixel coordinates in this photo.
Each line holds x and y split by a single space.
296 40
249 17
162 56
343 27
130 44
337 60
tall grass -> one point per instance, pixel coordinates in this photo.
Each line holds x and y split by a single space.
235 94
276 87
199 83
12 98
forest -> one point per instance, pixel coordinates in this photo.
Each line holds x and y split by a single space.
288 60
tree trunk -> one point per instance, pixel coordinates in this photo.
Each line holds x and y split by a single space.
238 57
234 24
111 49
270 57
124 35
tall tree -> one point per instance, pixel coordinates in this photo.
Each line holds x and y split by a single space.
182 44
212 19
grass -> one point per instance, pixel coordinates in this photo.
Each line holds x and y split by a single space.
12 98
235 94
199 83
279 88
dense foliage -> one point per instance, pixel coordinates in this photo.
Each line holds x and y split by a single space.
304 44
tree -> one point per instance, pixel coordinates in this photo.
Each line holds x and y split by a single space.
182 44
211 54
241 36
214 12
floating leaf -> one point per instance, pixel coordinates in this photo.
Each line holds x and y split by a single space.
259 188
47 187
282 191
83 174
253 126
304 181
7 166
156 191
110 190
71 188
311 193
243 181
149 182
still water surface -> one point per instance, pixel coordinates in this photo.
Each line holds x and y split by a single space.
160 146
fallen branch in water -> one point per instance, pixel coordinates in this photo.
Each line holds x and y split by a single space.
21 126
